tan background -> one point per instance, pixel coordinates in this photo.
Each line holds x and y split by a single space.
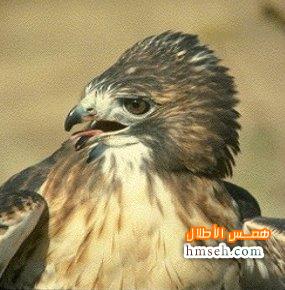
50 49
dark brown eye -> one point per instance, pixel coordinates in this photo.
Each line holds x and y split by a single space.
136 106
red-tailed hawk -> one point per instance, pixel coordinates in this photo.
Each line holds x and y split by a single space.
110 208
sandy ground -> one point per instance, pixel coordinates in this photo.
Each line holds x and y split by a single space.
50 49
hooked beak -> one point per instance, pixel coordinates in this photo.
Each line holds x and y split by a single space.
96 128
78 115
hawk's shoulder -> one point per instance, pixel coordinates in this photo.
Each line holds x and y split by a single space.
247 204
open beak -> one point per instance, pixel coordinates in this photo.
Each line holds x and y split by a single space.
77 115
95 128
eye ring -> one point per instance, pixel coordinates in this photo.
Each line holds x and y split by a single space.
136 106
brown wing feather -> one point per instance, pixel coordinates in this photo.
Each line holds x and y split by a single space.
268 272
32 177
21 209
19 214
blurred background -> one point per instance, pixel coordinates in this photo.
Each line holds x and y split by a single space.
49 50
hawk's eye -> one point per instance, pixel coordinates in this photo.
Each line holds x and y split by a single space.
136 106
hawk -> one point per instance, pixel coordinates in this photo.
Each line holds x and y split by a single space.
110 208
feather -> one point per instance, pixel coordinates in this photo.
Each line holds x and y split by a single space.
19 214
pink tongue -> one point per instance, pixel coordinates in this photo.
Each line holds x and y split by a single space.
87 133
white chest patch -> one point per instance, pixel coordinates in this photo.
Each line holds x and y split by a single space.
128 159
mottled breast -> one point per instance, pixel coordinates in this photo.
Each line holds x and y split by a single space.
118 223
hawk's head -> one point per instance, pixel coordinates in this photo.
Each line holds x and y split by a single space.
168 93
